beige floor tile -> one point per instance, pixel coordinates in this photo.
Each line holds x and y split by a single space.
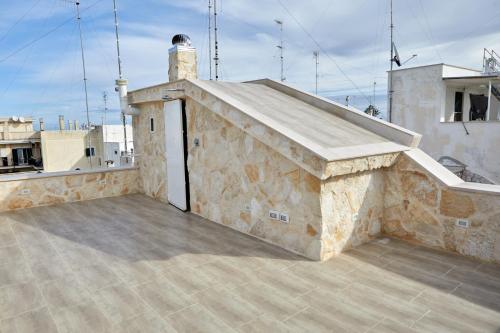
196 319
264 323
14 273
163 297
34 321
312 320
270 300
145 323
96 277
19 298
225 305
119 303
81 318
64 292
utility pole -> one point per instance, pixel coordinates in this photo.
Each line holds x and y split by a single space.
216 43
84 81
280 23
210 37
124 119
390 73
316 56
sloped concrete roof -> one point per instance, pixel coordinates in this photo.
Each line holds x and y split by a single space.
330 131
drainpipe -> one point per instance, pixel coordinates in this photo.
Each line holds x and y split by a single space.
121 88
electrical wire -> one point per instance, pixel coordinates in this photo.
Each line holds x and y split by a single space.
323 51
19 20
47 33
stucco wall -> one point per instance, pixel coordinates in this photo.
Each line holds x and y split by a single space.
150 148
419 104
65 150
235 180
419 208
49 190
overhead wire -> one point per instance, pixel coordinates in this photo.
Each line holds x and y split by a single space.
47 33
19 20
323 51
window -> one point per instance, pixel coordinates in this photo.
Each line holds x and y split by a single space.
459 102
152 125
89 151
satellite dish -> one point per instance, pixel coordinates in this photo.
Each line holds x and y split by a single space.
21 119
14 118
396 58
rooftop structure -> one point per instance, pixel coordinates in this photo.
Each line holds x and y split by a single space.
19 145
275 222
458 112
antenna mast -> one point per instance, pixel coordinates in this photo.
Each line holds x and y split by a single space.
210 37
216 43
316 56
280 23
77 3
120 74
105 99
390 73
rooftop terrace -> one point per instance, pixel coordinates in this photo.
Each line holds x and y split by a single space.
132 264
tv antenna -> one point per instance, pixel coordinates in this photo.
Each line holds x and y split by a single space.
216 43
280 23
316 57
120 74
78 18
210 37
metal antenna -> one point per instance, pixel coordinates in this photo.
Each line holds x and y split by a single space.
390 73
124 119
374 86
280 23
84 81
210 37
105 99
216 43
316 56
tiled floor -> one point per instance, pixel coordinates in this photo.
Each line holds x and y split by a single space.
130 264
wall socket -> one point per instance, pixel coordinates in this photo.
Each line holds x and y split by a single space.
25 191
274 215
462 223
102 182
284 218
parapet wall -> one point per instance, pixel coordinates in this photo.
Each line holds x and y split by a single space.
424 204
33 190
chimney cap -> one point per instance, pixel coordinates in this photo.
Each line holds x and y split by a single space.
181 40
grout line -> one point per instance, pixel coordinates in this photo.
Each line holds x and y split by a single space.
420 318
35 282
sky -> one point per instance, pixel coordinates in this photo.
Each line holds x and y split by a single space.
41 65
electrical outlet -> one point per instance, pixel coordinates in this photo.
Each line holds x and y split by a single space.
284 218
274 215
102 182
25 191
462 223
248 208
355 217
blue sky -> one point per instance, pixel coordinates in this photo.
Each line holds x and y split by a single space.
44 79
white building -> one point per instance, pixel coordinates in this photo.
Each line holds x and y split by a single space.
457 110
114 143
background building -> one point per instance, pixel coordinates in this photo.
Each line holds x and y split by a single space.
114 143
19 145
457 110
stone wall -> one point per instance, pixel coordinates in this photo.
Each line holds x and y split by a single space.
42 190
352 210
235 180
418 207
150 148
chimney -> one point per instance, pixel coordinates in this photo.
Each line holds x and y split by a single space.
70 125
61 123
42 125
76 125
182 62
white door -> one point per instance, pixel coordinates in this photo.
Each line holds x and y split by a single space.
174 139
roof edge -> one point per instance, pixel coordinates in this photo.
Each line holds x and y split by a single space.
381 127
